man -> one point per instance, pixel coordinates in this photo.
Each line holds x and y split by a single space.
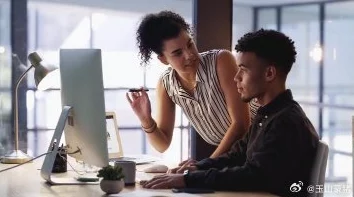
281 144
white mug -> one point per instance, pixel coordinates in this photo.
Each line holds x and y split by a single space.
129 171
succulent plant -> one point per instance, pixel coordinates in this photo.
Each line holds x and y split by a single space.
111 173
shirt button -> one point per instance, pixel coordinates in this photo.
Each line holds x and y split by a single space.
260 124
265 117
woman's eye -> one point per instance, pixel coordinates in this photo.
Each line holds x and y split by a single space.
178 53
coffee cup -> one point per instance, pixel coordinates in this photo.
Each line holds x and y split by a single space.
129 171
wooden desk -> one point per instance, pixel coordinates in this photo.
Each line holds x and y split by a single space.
25 181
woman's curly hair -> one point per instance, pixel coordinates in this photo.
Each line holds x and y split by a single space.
156 28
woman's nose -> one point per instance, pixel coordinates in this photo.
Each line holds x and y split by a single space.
188 55
237 77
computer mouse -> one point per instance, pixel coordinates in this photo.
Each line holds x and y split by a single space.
157 168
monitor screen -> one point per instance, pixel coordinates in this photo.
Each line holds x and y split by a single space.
82 89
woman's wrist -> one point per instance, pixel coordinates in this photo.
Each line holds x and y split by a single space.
152 126
147 123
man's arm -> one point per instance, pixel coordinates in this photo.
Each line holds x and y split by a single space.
265 162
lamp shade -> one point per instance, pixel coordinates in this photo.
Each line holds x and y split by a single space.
45 77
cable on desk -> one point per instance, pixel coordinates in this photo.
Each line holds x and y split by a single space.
25 162
77 172
77 151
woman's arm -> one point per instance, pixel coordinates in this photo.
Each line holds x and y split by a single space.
161 137
238 110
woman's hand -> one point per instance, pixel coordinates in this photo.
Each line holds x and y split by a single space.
140 103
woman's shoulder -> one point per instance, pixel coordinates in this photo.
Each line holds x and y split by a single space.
165 74
209 54
215 55
209 59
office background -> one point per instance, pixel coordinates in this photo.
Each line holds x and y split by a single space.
321 79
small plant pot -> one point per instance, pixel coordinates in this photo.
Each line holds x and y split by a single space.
112 187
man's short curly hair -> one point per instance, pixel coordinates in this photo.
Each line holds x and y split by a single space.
156 28
272 46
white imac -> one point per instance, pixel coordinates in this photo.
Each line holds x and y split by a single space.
83 115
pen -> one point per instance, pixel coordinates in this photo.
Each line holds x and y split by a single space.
138 89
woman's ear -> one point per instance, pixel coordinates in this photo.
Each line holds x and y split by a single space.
162 59
270 73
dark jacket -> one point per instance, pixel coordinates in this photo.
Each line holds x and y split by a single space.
277 151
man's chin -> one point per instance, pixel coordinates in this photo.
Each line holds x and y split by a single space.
246 99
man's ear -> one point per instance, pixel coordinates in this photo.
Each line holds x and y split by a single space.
162 59
270 73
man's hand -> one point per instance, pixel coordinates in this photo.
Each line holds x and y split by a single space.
185 165
165 181
188 161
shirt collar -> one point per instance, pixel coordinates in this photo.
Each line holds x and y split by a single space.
176 85
200 71
277 103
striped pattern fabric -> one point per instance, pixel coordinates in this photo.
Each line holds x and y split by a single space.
253 106
206 109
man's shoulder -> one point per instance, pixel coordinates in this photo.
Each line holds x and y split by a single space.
293 118
292 109
292 114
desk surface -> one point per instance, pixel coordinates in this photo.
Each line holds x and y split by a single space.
26 181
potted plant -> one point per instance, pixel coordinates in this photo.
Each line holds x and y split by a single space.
112 181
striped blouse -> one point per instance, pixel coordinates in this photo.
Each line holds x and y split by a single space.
206 109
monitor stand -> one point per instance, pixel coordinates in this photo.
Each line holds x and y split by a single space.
46 170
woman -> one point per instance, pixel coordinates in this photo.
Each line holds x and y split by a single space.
200 83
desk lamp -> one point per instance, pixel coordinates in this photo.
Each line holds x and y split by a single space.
43 79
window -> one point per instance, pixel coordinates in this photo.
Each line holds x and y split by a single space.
242 20
5 76
301 24
267 18
338 85
112 30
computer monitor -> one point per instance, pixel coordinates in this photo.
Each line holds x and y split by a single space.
83 114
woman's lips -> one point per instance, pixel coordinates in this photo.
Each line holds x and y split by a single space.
192 63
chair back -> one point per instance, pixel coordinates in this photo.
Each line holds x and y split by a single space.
318 172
